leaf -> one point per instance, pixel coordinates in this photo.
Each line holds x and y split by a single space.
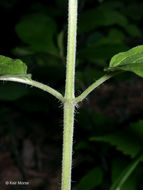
37 31
133 30
92 179
131 60
126 173
95 52
98 39
99 17
112 38
122 142
118 166
128 141
10 66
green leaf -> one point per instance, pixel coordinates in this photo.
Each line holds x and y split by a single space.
37 30
126 173
122 142
99 17
129 141
10 66
118 166
111 38
98 39
95 52
131 60
133 30
92 179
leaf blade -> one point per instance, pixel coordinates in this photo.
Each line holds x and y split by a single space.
126 173
37 31
9 66
131 60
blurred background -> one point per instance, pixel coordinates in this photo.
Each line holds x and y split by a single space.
109 123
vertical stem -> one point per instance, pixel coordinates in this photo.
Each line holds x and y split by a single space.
67 145
71 49
69 105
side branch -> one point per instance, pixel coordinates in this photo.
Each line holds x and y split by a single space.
31 82
93 86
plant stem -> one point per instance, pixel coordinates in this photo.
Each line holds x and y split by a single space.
71 49
69 105
67 145
31 82
93 86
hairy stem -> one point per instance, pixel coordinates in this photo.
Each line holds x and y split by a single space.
36 84
71 49
67 145
69 106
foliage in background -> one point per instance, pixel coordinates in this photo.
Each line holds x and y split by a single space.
116 27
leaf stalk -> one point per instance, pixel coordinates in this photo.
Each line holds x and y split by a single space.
25 80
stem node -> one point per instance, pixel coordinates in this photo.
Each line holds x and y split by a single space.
69 103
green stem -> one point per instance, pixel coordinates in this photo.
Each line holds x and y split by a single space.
69 105
36 84
67 145
71 49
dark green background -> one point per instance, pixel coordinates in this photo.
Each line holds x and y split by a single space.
108 124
